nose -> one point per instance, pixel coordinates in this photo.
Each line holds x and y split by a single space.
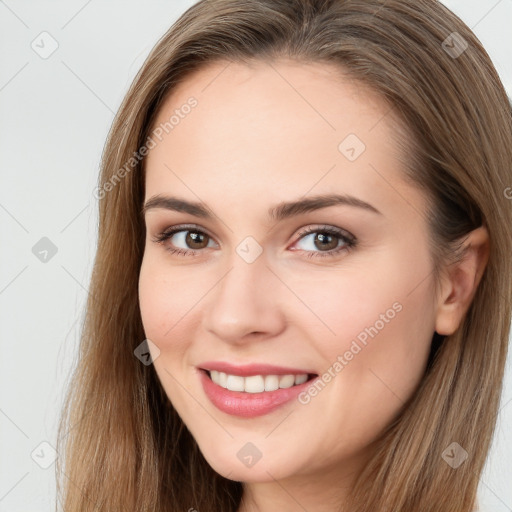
245 303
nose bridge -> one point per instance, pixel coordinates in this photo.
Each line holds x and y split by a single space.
241 302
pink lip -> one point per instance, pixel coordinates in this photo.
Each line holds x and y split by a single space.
246 370
249 405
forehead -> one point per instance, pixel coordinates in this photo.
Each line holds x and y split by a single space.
296 90
280 123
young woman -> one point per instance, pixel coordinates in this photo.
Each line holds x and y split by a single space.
301 298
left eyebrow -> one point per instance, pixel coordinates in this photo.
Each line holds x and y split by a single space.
275 213
308 204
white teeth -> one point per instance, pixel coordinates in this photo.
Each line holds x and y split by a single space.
235 383
300 379
271 382
219 378
256 383
286 381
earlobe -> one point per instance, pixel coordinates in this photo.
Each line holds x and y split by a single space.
461 282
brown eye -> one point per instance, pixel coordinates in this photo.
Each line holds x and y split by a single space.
325 241
196 239
184 240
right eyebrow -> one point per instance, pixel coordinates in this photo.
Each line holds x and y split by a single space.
178 205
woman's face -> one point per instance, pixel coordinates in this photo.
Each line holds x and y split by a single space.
301 254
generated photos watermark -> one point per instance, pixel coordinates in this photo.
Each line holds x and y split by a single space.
356 346
166 127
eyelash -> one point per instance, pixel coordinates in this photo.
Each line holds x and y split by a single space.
350 241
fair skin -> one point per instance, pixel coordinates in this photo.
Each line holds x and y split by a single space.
261 135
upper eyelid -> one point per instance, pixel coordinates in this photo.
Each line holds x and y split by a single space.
311 228
172 230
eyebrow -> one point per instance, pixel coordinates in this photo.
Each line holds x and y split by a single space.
278 212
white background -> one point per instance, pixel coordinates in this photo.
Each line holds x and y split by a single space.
54 117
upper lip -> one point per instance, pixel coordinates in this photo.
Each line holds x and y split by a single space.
244 370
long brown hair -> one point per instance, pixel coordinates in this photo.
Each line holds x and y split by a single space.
125 446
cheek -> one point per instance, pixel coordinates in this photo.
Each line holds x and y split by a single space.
166 310
342 304
161 310
167 299
383 326
153 300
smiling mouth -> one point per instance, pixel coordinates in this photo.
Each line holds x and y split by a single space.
257 383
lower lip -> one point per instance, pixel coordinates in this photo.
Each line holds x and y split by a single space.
248 405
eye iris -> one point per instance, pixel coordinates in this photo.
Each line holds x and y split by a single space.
194 238
328 241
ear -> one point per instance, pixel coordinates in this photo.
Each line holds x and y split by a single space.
461 281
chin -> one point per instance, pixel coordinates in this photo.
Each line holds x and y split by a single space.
236 464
